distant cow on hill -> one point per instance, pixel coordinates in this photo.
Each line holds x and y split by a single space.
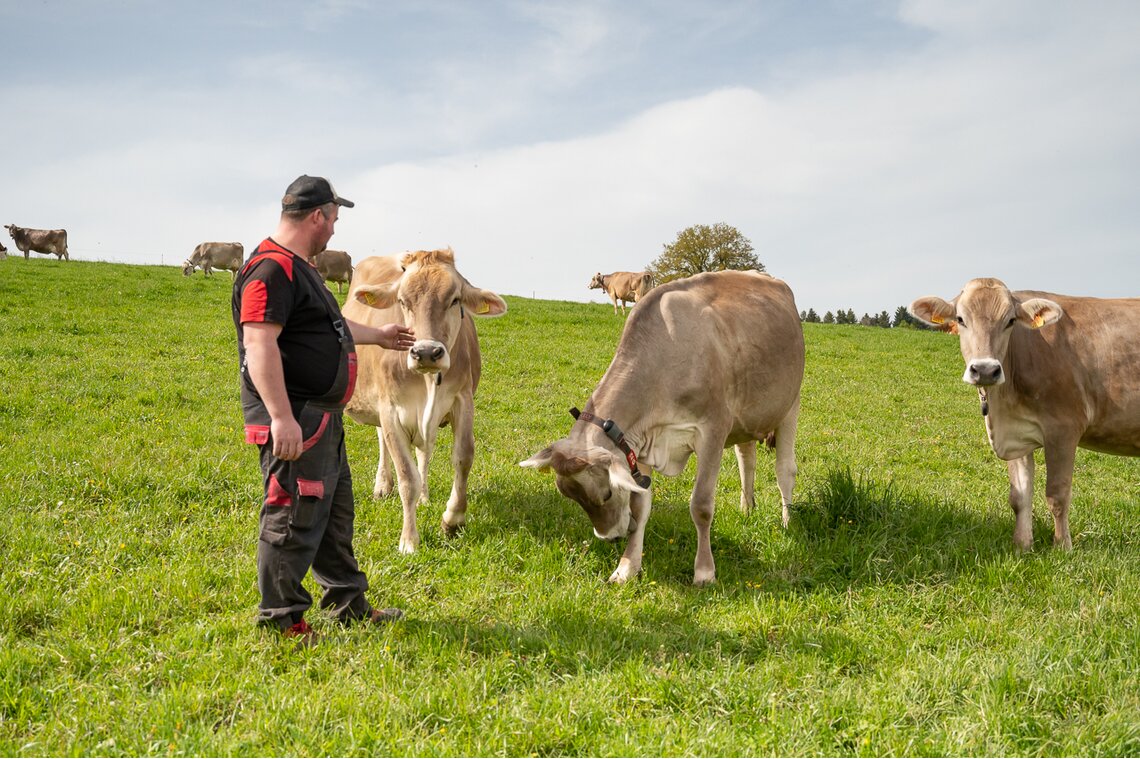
626 286
334 266
215 255
3 252
46 241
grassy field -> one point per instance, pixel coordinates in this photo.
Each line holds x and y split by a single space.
892 618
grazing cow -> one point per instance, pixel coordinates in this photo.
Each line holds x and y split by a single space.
624 286
215 255
1053 372
334 266
408 396
3 252
704 363
46 241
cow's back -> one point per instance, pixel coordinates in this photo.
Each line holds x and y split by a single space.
1084 368
730 338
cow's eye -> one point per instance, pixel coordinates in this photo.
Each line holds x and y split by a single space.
455 302
961 322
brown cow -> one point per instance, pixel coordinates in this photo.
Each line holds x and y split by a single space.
334 266
46 241
624 286
1053 372
3 252
408 396
215 255
703 363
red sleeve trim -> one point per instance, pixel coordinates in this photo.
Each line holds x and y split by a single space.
254 299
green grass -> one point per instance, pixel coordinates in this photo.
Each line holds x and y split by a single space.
892 618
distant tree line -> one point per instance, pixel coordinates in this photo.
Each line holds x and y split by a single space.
716 247
902 318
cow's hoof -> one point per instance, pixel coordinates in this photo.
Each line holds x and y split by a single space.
451 530
703 579
620 577
382 492
408 546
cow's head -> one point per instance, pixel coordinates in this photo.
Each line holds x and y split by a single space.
598 479
986 313
596 283
434 299
188 268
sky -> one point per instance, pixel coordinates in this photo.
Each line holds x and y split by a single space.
872 151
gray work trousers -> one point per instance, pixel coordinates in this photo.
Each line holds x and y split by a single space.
306 523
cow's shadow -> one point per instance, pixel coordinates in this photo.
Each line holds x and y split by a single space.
845 532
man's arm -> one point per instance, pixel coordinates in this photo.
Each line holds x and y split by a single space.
395 337
263 359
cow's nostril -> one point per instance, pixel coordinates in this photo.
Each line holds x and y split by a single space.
437 353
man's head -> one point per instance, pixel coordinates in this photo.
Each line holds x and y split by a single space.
310 209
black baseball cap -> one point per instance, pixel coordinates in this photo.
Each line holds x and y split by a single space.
310 192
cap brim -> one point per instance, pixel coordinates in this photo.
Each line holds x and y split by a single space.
345 203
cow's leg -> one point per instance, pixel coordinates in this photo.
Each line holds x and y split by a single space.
630 564
1059 461
786 459
408 480
462 456
701 508
423 463
1021 500
382 487
614 300
746 461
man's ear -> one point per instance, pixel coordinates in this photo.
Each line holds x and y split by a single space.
377 296
1038 312
933 310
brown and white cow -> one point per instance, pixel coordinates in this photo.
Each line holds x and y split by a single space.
1053 372
703 363
215 255
624 286
408 396
46 241
334 266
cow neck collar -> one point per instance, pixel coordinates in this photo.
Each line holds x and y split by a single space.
984 400
614 433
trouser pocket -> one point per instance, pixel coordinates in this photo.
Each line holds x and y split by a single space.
310 496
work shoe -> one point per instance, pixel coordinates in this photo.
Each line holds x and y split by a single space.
305 636
384 616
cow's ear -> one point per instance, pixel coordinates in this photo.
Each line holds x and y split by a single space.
376 296
483 302
933 310
1037 312
620 476
540 460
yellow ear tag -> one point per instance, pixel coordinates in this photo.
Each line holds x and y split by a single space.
483 308
369 297
937 319
1038 321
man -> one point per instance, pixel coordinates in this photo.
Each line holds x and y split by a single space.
298 369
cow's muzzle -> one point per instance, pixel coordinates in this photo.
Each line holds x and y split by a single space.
428 356
984 372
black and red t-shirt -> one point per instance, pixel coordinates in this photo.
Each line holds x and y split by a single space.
279 287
